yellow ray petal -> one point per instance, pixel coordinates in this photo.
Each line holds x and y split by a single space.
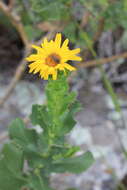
39 49
52 71
45 42
36 70
75 58
69 67
43 70
65 43
46 76
75 51
55 75
33 57
31 70
32 67
58 40
60 67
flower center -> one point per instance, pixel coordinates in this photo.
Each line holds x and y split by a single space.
52 60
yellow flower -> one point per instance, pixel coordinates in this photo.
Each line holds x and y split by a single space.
51 57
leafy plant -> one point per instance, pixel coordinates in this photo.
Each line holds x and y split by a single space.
29 158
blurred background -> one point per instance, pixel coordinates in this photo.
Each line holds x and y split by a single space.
99 28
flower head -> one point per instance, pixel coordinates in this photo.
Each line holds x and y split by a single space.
52 57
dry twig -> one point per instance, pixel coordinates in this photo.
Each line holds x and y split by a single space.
103 60
15 79
11 4
15 20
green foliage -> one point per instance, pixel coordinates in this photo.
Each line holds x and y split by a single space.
32 32
45 9
74 164
116 15
70 31
11 166
36 182
30 157
70 12
40 116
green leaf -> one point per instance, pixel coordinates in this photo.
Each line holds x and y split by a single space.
26 138
67 102
111 91
67 123
43 9
32 32
14 157
125 5
70 31
40 116
71 151
115 15
76 164
75 107
11 165
38 183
